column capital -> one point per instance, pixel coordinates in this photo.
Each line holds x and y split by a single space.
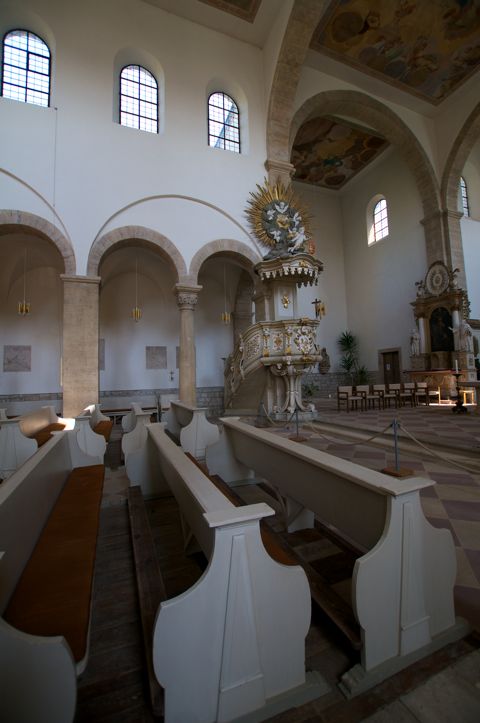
81 279
279 171
187 296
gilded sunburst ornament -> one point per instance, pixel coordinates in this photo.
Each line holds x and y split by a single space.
279 221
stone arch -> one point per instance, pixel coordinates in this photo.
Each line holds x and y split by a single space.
14 221
303 20
375 114
121 237
463 144
245 256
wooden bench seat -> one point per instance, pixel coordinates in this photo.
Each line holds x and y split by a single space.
43 435
54 592
105 428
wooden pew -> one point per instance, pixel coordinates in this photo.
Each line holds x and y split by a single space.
48 528
21 436
402 586
191 428
99 423
236 639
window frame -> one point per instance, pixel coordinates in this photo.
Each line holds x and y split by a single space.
29 53
381 223
135 115
210 135
464 197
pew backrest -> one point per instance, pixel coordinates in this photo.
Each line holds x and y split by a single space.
191 427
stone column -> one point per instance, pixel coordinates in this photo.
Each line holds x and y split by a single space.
80 343
423 330
187 297
453 236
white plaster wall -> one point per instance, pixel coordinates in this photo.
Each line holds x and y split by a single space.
125 339
213 339
102 167
327 226
380 279
41 330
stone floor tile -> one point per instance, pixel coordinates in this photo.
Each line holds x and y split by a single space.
468 533
394 713
474 560
456 492
433 507
444 699
465 574
459 510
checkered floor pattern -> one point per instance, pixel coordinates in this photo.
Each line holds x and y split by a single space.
453 503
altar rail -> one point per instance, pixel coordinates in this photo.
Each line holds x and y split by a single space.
402 586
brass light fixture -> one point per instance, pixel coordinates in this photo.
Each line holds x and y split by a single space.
226 316
136 311
23 307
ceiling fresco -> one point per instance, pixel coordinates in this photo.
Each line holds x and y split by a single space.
244 9
427 47
328 152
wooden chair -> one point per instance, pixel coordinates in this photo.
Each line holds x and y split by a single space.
346 396
407 393
369 397
421 392
385 395
395 389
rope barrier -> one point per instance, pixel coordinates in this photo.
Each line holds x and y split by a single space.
412 437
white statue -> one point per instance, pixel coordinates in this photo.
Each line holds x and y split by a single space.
415 343
465 336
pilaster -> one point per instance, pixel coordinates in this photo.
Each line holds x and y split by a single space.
80 343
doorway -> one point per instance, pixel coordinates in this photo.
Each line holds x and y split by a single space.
390 366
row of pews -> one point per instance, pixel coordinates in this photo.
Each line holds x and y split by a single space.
20 437
403 571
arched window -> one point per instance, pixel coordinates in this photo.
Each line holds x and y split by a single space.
223 123
464 195
138 99
26 68
380 220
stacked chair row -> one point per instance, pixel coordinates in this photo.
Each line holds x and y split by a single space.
366 396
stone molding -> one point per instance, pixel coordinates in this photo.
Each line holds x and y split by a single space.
243 254
142 236
81 279
14 221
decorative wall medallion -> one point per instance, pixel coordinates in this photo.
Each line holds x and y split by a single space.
17 358
156 357
278 220
437 279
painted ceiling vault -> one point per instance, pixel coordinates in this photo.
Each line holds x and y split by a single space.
427 47
244 9
328 152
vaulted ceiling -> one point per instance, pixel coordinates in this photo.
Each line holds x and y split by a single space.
422 50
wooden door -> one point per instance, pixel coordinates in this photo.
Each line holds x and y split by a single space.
391 367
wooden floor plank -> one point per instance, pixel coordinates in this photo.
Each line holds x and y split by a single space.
151 589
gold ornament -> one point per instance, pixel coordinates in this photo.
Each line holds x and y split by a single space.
278 220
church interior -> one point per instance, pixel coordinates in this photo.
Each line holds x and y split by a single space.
203 203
